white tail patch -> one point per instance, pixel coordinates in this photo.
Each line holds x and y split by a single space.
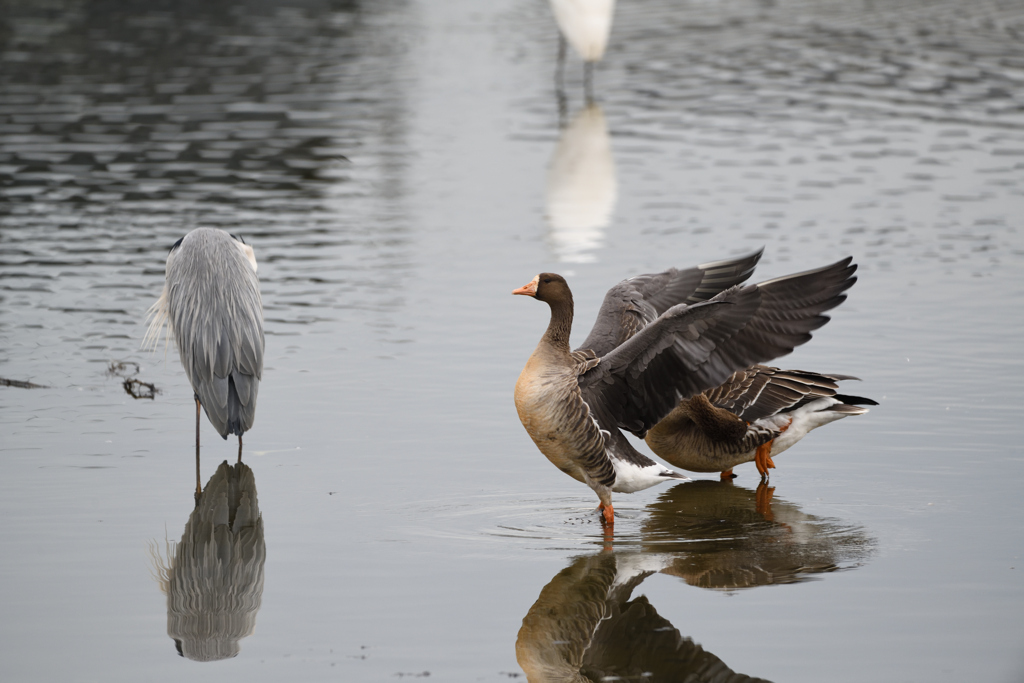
803 421
630 478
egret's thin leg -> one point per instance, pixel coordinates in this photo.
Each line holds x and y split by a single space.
588 82
560 97
239 448
560 66
199 488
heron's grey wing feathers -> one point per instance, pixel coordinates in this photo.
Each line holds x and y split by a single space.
689 349
246 387
638 301
216 315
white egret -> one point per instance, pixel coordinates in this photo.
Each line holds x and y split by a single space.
586 25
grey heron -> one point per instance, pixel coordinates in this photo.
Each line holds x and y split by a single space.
211 303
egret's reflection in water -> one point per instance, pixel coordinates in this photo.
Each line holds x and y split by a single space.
728 537
585 627
581 187
213 577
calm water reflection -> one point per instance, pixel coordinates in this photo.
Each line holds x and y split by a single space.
584 627
728 537
581 187
213 577
398 168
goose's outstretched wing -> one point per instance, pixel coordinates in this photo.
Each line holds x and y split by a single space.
691 348
761 391
636 302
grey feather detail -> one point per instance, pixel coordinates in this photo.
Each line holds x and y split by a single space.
689 349
761 391
636 302
584 360
216 316
588 439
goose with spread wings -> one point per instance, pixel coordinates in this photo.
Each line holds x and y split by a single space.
659 338
756 414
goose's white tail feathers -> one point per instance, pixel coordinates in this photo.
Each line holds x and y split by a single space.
630 478
806 419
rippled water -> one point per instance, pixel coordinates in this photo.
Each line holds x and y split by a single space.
399 168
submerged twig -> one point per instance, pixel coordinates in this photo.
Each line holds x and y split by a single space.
139 389
20 384
122 368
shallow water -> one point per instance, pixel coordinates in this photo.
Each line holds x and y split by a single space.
399 168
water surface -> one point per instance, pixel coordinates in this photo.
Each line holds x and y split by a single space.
399 168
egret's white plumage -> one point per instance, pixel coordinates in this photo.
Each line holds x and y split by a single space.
586 24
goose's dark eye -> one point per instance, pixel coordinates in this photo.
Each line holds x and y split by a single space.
547 280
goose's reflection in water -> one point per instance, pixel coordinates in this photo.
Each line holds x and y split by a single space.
213 577
581 187
727 537
584 627
712 534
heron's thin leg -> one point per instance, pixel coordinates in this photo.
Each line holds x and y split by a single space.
239 448
199 488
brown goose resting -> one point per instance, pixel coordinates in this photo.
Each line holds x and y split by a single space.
659 339
755 415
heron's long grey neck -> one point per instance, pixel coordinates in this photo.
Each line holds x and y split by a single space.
561 324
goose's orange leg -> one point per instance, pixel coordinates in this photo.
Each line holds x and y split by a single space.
763 459
727 475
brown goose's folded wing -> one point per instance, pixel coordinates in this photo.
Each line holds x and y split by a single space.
760 391
636 302
689 349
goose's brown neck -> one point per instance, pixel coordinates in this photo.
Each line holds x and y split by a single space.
561 324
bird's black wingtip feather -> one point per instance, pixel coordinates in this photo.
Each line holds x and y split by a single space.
855 400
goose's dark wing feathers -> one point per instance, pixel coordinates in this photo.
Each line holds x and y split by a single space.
691 348
761 391
636 302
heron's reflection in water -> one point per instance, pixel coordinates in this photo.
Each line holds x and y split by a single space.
213 577
585 627
581 187
727 537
